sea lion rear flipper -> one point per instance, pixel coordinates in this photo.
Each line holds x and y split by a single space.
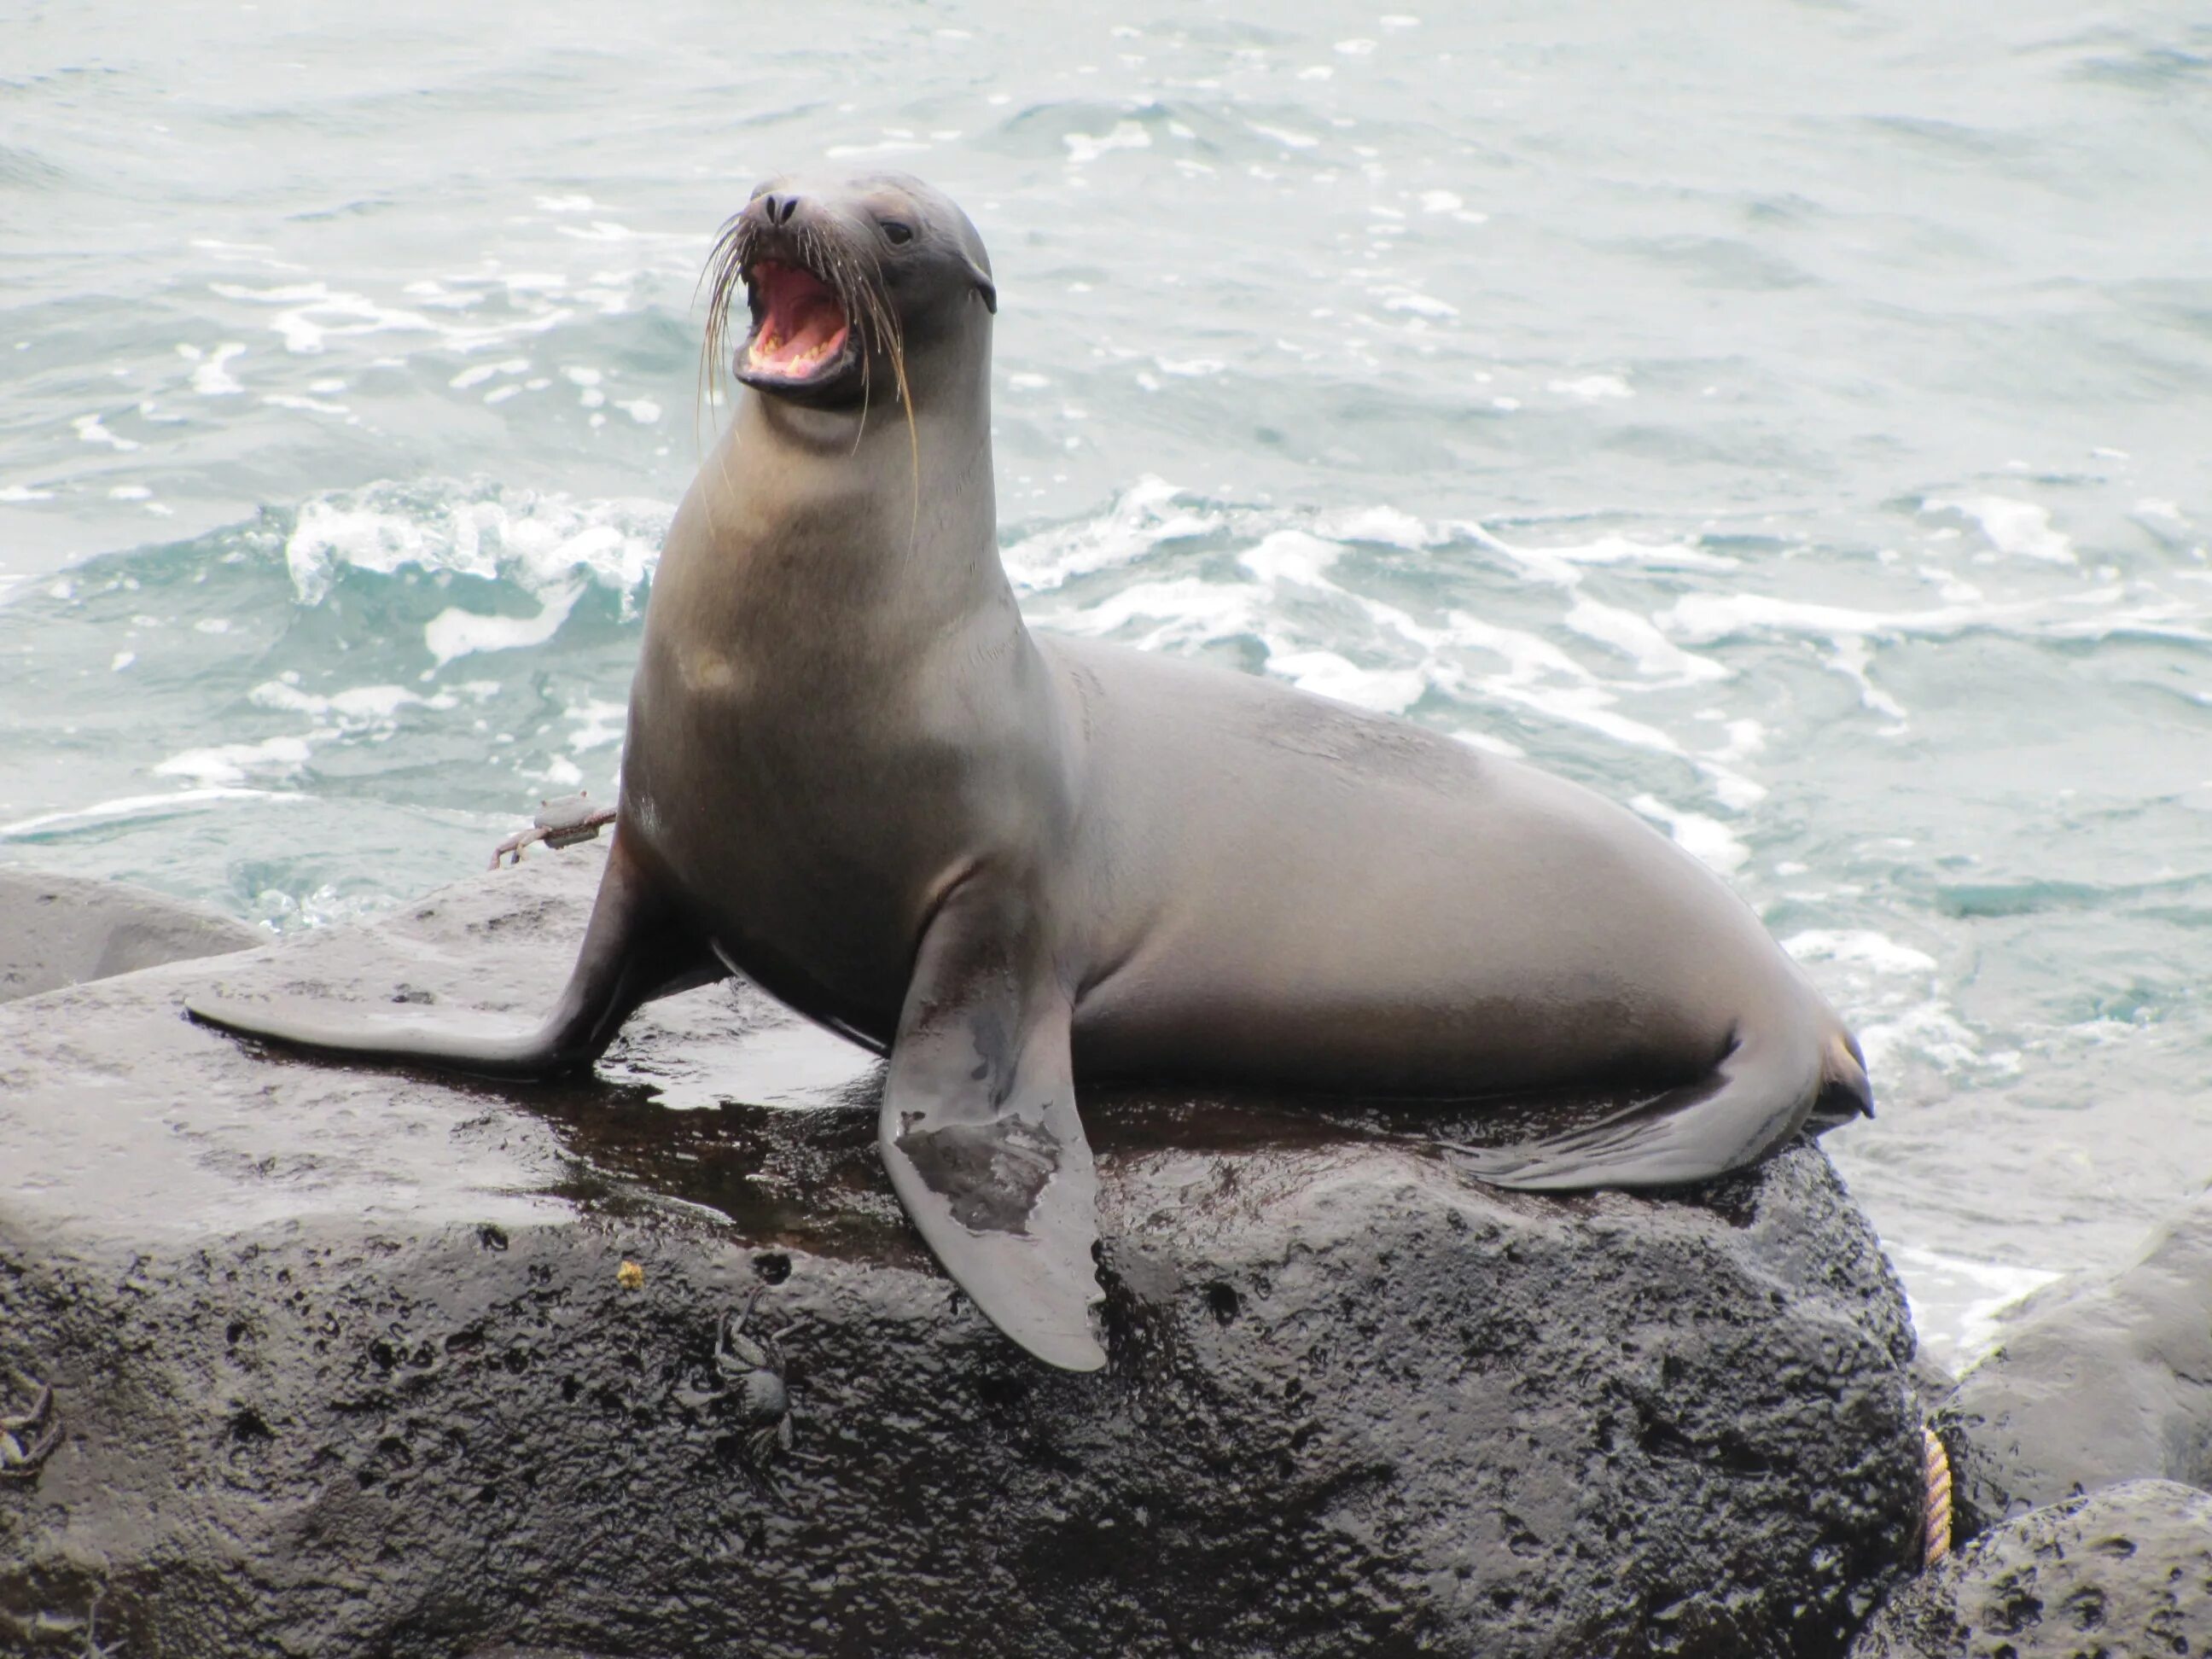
634 950
979 1127
1763 1091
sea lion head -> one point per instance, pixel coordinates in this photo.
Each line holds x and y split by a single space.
850 284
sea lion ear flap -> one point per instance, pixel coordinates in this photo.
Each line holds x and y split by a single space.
985 287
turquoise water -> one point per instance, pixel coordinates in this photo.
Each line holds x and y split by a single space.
1793 421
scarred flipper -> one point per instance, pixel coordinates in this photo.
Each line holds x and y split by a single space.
979 1127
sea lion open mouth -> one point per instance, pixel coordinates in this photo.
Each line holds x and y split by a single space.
799 327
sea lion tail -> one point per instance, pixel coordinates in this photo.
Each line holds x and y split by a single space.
1781 1076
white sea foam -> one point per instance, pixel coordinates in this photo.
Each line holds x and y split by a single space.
311 405
1326 673
1707 619
230 764
1706 838
1957 1303
598 723
309 314
1179 611
1406 657
1148 513
2011 526
356 708
212 375
281 912
1386 526
1653 654
1084 148
90 428
1594 387
1563 564
125 807
1892 994
1416 304
457 633
543 542
1852 634
1293 555
1860 947
476 373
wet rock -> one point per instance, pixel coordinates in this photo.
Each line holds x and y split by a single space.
2124 1573
2096 1381
352 1361
62 930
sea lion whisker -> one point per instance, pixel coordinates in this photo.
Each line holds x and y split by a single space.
720 275
892 339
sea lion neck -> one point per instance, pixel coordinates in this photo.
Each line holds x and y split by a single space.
811 531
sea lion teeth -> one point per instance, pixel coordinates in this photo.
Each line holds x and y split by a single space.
852 773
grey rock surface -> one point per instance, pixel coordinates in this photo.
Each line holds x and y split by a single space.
351 1361
2096 1382
64 930
2124 1574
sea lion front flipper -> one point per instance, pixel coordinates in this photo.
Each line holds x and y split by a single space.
979 1128
634 949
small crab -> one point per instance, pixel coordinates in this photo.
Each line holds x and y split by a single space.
749 1366
28 1440
561 823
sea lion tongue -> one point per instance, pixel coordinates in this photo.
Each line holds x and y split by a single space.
802 326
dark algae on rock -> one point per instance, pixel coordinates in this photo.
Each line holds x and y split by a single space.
347 1362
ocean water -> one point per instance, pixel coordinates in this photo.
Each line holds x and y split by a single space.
1793 421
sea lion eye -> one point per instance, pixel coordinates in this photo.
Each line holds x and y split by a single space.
899 233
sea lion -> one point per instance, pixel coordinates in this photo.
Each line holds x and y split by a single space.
853 775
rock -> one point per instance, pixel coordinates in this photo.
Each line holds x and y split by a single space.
2126 1572
61 930
352 1361
2096 1381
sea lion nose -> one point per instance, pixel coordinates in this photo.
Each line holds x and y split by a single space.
776 209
